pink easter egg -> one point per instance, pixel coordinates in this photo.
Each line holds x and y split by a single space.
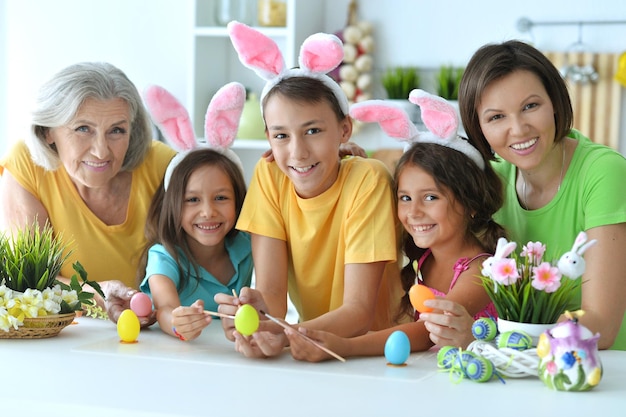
141 304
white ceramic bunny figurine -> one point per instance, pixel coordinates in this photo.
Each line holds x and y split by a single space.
503 249
572 264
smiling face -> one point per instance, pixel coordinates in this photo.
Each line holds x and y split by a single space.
517 118
208 211
92 146
430 215
305 139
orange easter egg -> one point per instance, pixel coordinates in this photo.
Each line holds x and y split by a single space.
418 294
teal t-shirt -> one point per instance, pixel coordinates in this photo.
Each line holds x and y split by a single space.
206 286
592 194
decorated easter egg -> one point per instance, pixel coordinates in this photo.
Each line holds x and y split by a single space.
246 320
128 326
462 358
141 304
479 369
447 356
397 348
418 294
515 340
485 328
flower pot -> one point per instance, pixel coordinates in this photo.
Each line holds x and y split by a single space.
531 329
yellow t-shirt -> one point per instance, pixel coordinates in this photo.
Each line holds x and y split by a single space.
106 252
352 222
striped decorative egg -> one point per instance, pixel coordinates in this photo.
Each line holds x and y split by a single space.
479 369
447 356
485 328
463 358
515 340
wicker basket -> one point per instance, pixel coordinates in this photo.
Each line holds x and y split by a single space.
40 327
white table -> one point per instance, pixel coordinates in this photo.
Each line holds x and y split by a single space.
86 371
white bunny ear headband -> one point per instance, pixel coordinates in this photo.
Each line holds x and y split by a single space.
438 115
319 54
220 125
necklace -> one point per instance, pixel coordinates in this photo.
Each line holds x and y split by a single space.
558 188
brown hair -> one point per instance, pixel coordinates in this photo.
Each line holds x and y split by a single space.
306 90
163 224
479 192
494 61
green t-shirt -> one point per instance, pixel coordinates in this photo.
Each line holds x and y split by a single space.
592 194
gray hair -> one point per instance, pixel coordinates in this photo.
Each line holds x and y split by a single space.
60 98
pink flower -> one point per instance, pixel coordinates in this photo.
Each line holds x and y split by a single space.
534 251
546 277
504 271
552 368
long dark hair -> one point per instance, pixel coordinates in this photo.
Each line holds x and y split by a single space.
163 224
479 192
494 61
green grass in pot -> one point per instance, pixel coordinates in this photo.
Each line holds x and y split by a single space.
31 258
400 81
448 80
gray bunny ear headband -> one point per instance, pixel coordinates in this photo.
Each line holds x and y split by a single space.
438 115
220 125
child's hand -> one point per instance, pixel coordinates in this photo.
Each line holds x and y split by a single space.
449 325
303 350
261 344
227 304
190 321
351 148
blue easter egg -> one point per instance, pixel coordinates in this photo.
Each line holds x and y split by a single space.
515 340
397 348
484 329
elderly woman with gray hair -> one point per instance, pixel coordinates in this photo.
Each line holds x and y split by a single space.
89 168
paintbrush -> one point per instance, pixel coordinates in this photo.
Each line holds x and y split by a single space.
308 339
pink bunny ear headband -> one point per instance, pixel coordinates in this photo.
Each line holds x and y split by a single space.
220 125
319 54
438 115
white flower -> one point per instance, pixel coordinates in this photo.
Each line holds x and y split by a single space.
6 296
52 300
7 321
31 302
70 297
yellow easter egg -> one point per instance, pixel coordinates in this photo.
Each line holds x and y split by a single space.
246 320
128 326
543 346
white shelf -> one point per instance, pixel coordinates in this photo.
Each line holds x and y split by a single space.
221 31
215 61
251 144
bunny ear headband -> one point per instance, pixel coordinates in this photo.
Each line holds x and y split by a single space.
319 54
220 125
437 114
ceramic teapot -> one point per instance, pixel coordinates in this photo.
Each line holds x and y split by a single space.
569 356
